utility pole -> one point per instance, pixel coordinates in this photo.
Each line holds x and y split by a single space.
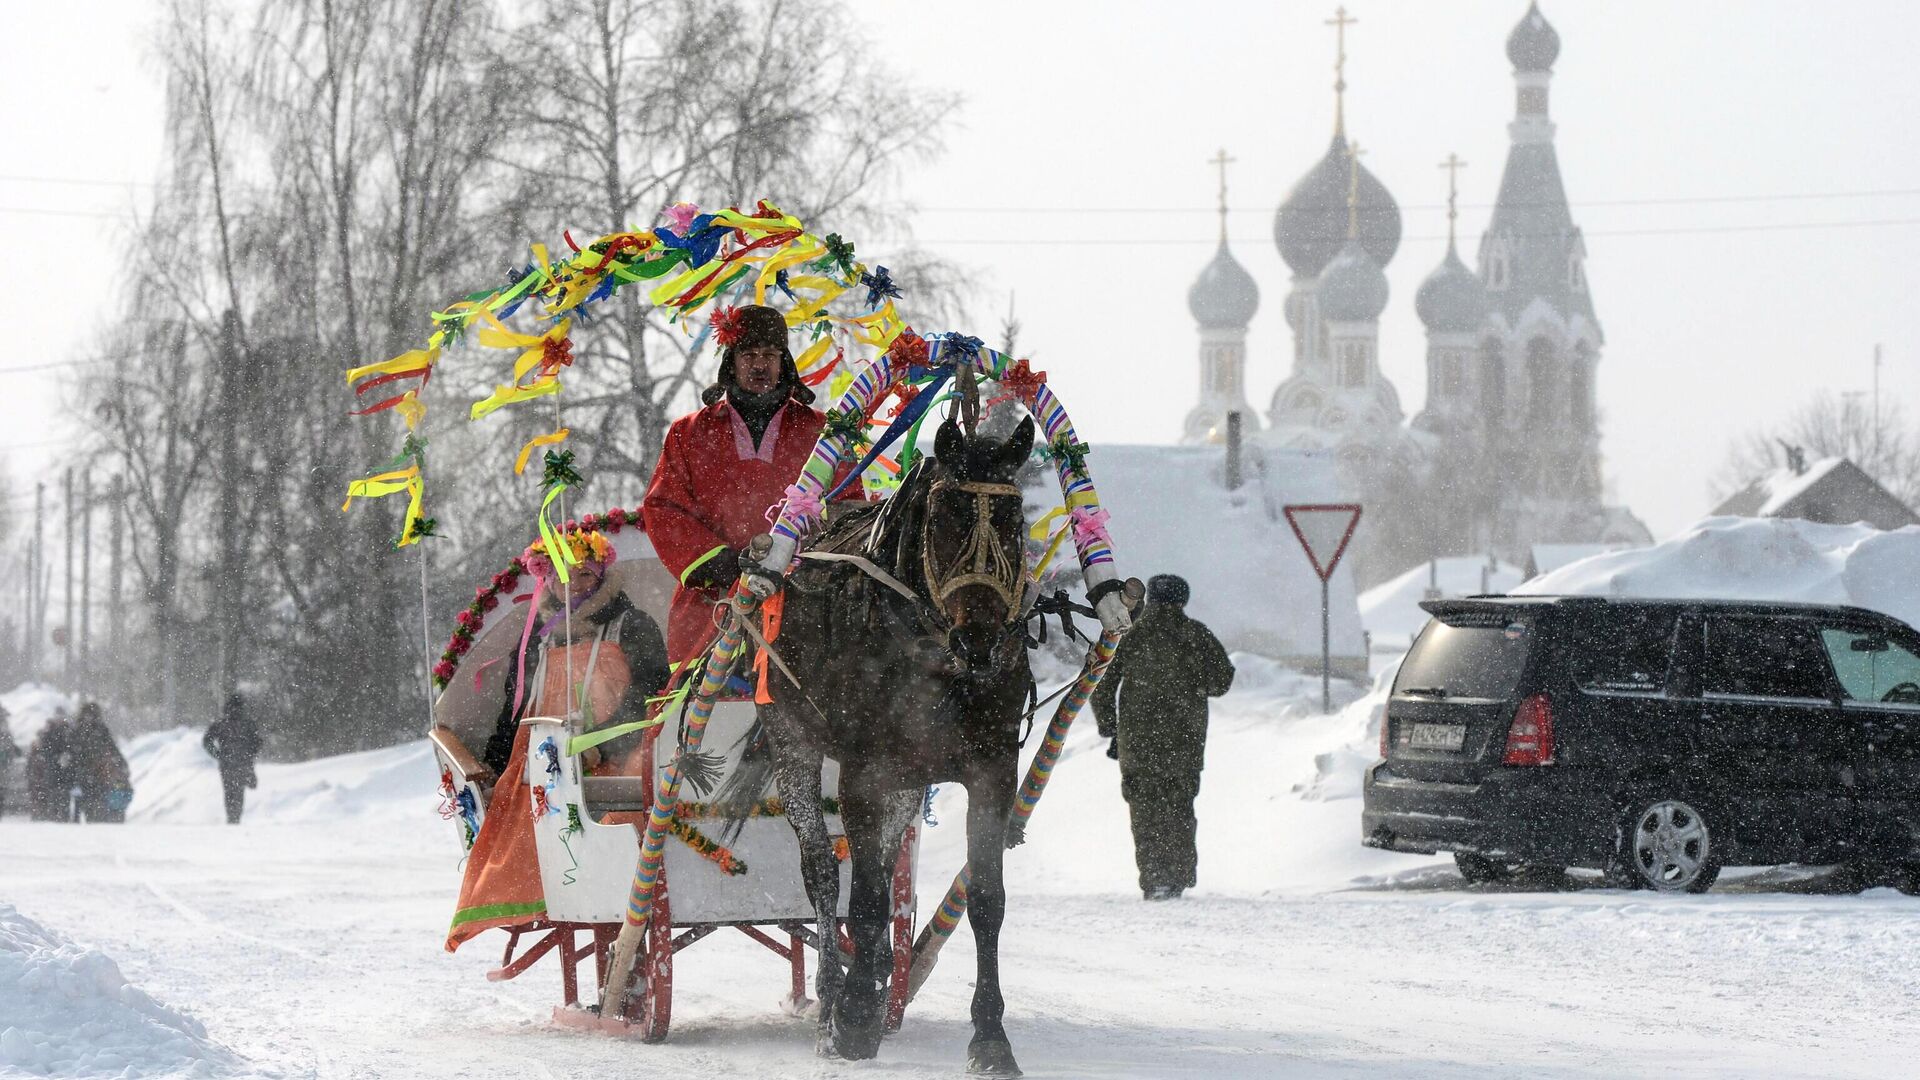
86 577
66 589
36 592
115 625
229 582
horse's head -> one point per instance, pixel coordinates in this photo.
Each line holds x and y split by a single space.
973 549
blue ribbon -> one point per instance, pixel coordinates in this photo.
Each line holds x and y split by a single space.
907 418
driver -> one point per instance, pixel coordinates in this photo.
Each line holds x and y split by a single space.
724 466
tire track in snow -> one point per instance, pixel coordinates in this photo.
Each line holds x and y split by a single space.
200 918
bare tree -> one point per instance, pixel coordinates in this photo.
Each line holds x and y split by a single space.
1880 440
709 102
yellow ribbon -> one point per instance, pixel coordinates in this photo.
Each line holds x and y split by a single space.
550 439
386 483
1039 531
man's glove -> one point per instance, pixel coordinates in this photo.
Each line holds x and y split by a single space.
717 572
759 580
1113 748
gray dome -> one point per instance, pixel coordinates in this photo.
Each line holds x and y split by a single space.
1452 299
1224 296
1352 288
1534 44
1311 225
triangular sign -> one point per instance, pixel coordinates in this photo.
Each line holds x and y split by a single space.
1323 529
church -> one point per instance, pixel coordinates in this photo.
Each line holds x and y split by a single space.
1506 452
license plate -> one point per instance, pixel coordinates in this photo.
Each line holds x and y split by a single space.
1437 736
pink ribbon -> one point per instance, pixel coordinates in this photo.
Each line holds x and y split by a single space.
804 505
1089 525
680 215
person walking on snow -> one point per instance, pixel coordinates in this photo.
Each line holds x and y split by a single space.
1153 705
234 742
50 772
100 773
724 466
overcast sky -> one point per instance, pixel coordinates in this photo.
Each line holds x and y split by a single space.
1746 174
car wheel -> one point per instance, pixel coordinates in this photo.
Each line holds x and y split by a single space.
1480 870
1667 845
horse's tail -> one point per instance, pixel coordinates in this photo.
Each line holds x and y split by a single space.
748 785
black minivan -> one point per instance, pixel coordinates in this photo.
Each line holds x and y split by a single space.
1656 740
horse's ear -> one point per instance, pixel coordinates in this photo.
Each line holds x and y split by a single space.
1018 445
950 448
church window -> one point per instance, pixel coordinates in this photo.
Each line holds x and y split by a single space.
1543 398
1356 366
1576 274
1499 268
1580 394
1493 381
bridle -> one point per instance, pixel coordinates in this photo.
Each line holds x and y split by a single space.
983 559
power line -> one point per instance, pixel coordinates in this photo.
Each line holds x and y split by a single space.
24 369
1775 226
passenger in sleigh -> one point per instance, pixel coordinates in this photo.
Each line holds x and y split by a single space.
585 634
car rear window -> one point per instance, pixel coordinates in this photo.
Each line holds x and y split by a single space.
1466 656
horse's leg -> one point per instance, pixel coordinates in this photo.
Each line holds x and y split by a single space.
797 772
989 800
875 822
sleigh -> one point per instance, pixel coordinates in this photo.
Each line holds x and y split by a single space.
587 834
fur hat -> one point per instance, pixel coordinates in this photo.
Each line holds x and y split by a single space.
1168 589
750 327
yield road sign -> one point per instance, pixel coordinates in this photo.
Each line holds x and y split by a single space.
1324 530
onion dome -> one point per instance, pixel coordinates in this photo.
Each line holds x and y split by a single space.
1224 296
1352 287
1311 226
1534 44
1452 299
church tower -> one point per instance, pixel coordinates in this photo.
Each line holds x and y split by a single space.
1337 230
1542 340
1223 300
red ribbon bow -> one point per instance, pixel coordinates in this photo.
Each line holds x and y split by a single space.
1023 380
726 325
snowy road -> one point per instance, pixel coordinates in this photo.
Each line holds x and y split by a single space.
313 951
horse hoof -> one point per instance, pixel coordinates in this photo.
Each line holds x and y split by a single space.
991 1059
856 1042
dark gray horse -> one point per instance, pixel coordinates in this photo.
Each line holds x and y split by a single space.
905 691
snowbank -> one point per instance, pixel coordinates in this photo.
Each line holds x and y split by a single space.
174 781
1391 610
66 1010
1759 559
30 705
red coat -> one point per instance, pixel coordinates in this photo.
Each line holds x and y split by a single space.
711 488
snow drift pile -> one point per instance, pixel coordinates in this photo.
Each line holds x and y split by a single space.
1733 558
67 1011
174 781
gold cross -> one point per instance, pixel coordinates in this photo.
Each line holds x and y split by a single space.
1340 21
1353 189
1221 161
1453 165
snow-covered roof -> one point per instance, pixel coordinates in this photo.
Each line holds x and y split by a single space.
1832 490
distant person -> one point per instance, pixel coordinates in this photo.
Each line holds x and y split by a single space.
234 742
9 750
1164 672
101 781
50 772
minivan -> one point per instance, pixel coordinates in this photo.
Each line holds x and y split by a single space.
1655 740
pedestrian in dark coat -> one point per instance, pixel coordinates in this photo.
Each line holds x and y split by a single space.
100 771
1161 677
50 770
234 742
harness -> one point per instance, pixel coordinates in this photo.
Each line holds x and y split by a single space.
983 559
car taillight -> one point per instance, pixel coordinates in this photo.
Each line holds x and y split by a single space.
1386 730
1530 739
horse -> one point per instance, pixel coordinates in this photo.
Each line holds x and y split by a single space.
915 673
